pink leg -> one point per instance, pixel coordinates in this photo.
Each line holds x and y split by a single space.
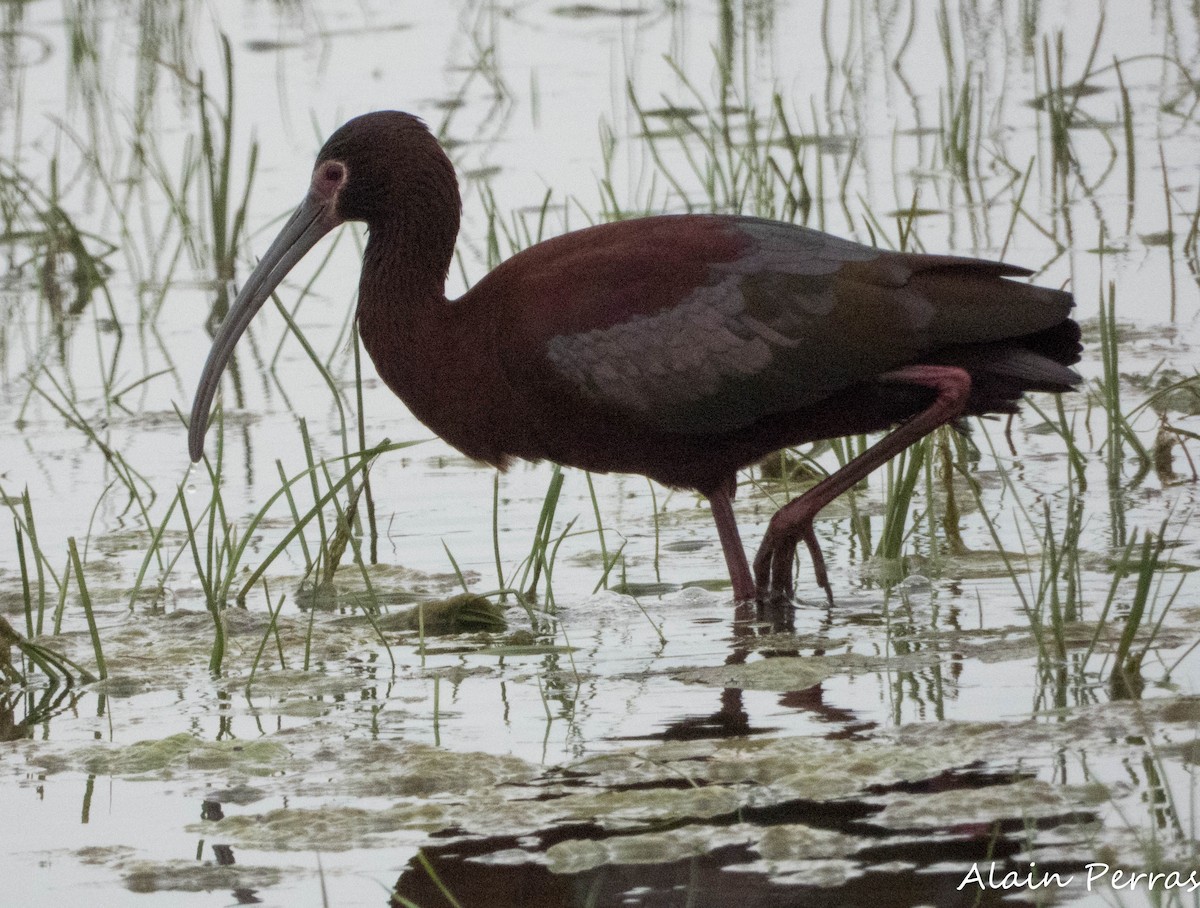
793 523
721 502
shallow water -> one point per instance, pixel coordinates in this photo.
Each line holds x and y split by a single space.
647 745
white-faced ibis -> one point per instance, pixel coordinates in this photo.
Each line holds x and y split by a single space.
680 347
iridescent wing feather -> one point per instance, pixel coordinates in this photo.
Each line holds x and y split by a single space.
792 317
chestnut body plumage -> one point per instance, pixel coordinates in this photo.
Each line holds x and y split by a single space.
680 347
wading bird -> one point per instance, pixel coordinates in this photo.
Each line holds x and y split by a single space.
680 347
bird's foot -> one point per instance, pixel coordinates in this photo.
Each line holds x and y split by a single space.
793 523
773 565
818 562
777 554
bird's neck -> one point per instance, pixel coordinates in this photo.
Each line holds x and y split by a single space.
402 304
403 285
434 354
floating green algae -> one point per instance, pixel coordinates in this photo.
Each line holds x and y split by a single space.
192 876
181 752
353 786
578 855
783 673
696 789
465 613
330 828
1025 798
382 769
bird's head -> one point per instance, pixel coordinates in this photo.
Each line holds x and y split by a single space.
384 168
387 169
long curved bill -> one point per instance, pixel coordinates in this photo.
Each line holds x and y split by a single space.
312 220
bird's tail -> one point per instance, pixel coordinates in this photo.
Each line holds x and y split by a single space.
1002 371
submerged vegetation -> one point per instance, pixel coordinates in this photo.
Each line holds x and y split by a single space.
1011 660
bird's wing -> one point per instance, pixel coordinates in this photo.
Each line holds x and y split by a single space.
703 324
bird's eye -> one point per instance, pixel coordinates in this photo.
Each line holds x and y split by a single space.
332 173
